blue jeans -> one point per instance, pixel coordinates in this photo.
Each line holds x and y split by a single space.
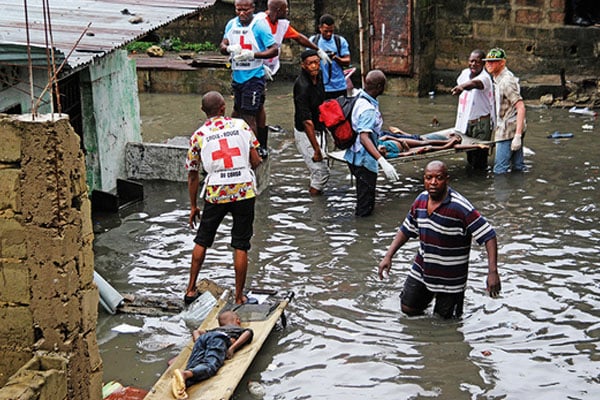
505 157
208 355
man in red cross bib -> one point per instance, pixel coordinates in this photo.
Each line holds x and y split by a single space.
475 115
248 41
226 148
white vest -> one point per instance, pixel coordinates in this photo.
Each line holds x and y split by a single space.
282 27
225 153
474 103
244 36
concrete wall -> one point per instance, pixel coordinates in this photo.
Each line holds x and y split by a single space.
111 117
16 90
202 80
110 109
48 301
147 161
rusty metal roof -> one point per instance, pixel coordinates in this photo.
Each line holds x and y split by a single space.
112 23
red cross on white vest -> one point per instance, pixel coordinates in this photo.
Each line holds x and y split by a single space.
245 45
462 100
226 153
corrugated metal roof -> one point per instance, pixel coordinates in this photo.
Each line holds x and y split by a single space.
14 54
110 23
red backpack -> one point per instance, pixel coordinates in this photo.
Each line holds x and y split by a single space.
336 115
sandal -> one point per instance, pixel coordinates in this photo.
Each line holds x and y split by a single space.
250 300
178 385
190 299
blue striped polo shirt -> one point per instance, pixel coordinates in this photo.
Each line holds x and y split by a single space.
442 262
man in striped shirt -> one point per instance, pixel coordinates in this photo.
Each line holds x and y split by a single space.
445 223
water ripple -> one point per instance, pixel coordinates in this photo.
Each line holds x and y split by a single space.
346 337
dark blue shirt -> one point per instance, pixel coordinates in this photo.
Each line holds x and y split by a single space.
442 262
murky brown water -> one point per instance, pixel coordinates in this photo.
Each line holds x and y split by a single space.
346 337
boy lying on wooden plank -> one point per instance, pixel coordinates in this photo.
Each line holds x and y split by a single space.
211 348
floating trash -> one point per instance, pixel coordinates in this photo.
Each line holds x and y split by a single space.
583 111
126 328
560 135
527 152
276 128
256 389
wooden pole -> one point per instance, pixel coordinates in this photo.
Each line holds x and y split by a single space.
360 43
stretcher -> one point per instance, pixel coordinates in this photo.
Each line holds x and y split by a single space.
261 318
467 144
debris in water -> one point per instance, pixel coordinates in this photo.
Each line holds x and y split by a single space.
256 389
587 127
560 135
126 328
583 111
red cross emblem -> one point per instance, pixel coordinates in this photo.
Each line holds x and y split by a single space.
226 153
245 45
462 100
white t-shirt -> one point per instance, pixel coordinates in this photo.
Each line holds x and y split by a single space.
474 103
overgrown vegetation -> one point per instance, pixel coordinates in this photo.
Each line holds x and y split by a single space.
138 47
172 44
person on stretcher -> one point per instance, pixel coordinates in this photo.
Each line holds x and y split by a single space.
398 143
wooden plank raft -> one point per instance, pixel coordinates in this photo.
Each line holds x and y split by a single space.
223 384
338 155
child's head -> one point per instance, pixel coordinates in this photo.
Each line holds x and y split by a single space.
229 318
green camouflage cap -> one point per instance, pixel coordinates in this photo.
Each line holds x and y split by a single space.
495 54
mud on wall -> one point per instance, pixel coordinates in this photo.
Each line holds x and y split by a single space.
48 301
111 117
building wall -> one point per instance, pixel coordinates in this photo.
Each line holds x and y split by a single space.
532 32
110 108
48 301
15 89
111 117
444 32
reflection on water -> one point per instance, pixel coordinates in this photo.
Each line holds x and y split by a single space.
346 337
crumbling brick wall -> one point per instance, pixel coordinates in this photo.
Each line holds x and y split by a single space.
48 300
533 33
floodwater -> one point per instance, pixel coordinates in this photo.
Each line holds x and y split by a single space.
346 337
